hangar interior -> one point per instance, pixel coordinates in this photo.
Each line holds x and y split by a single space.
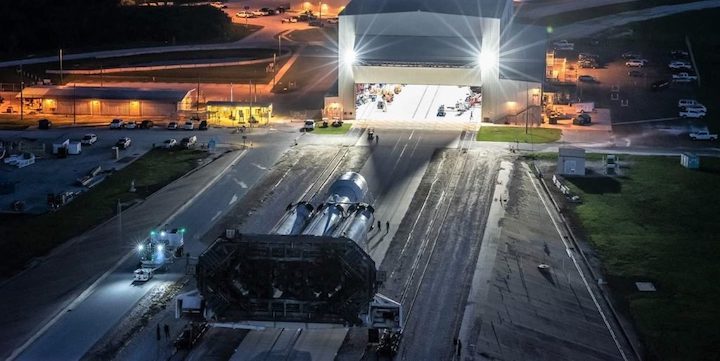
438 55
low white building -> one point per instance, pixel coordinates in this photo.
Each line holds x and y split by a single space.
442 43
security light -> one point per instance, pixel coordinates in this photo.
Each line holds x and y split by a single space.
350 56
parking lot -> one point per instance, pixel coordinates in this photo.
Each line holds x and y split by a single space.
627 91
51 174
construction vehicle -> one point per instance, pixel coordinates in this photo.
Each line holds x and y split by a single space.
157 251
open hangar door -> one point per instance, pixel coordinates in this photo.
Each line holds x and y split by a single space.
415 102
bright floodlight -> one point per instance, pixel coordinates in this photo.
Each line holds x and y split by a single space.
160 247
162 234
141 247
487 59
349 56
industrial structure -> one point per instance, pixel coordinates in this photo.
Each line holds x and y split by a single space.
312 269
237 113
444 44
106 101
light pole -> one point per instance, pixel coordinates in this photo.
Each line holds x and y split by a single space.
22 86
320 15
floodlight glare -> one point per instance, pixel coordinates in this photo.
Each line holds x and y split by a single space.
140 247
160 247
487 59
349 56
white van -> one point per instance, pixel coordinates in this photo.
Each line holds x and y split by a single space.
309 125
189 125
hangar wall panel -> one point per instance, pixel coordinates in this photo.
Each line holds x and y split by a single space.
416 75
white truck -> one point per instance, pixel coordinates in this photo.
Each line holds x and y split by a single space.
157 251
703 135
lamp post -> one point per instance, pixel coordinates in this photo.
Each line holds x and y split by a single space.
320 15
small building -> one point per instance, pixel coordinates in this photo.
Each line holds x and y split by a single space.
106 101
238 113
690 160
571 161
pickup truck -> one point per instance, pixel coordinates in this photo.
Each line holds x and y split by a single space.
691 113
703 135
684 77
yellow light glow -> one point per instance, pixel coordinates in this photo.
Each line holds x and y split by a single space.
307 5
324 7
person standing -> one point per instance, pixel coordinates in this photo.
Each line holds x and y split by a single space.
379 226
167 331
377 139
157 332
387 226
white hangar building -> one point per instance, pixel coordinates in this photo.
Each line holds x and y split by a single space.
418 56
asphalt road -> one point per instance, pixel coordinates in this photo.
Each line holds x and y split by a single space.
78 330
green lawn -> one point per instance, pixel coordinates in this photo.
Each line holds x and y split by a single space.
25 237
512 134
333 130
658 223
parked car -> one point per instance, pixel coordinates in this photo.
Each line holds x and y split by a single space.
588 56
188 142
631 55
117 123
564 45
332 21
687 102
169 143
679 54
189 125
147 124
172 125
636 73
245 14
691 113
203 125
123 143
660 84
292 19
268 11
588 64
44 124
131 125
635 63
582 119
259 13
679 65
703 135
89 139
684 77
586 79
309 125
316 23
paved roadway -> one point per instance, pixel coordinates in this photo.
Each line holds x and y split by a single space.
84 323
588 27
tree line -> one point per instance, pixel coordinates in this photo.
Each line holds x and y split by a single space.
42 26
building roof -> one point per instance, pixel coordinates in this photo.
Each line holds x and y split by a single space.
522 52
475 8
415 50
105 93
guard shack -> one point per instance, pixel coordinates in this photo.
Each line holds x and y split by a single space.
571 161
